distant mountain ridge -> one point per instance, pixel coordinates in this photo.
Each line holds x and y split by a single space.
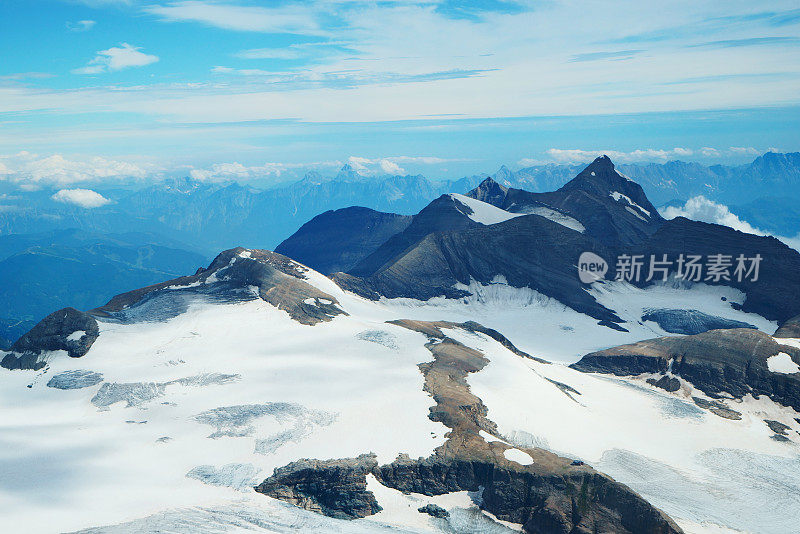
534 240
213 216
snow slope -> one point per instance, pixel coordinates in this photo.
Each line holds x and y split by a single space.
167 424
483 212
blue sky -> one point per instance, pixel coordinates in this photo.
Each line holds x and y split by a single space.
101 89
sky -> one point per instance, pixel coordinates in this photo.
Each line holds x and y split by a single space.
108 89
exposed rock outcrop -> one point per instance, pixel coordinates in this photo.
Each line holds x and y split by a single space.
68 329
336 488
274 278
789 329
434 510
718 362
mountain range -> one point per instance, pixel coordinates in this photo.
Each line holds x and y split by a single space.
212 216
453 372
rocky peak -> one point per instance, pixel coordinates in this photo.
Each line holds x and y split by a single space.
503 175
489 191
602 180
313 178
348 172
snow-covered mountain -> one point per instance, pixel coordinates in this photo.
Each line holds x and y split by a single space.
260 395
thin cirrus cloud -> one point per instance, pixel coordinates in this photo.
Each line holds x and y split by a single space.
81 25
576 155
117 58
344 79
598 56
752 41
285 19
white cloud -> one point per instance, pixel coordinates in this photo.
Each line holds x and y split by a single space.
560 155
390 164
745 151
220 172
31 170
285 19
390 167
85 198
270 53
700 208
81 25
117 58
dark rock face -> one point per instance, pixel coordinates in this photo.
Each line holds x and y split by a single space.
790 328
612 208
690 322
336 488
491 192
776 293
441 215
337 240
717 408
576 501
443 247
68 329
434 510
667 383
530 251
716 362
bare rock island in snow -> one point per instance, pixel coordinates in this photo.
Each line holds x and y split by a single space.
551 494
727 363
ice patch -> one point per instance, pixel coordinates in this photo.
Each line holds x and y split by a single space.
634 213
557 217
381 337
782 363
241 477
483 212
616 195
75 380
138 393
238 421
516 455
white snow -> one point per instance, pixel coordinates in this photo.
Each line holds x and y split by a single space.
694 465
558 217
616 195
352 385
87 467
782 363
791 342
516 455
76 335
483 212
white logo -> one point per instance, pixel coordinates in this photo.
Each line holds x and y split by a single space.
591 267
